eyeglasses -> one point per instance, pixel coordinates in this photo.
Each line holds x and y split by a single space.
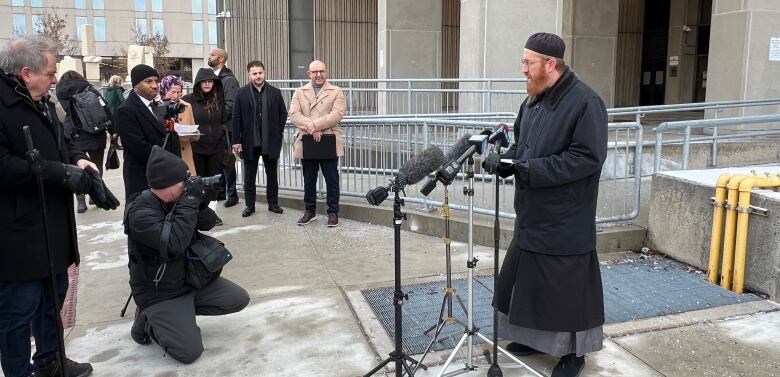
321 72
527 63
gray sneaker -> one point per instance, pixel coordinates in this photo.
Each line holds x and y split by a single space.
307 218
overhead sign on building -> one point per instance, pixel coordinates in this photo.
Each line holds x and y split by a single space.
774 49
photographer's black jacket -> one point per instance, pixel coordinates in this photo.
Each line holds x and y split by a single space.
562 134
154 277
140 130
21 226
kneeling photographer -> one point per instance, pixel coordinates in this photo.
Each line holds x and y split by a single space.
174 269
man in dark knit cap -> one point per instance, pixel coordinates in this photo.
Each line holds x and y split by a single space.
141 128
161 224
549 295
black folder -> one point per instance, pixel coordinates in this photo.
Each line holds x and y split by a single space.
325 149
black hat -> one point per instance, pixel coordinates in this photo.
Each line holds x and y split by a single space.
546 44
142 72
165 169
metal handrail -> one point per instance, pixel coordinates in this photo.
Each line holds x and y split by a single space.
690 106
687 125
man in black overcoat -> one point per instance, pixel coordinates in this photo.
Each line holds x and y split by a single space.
259 115
549 293
27 71
138 123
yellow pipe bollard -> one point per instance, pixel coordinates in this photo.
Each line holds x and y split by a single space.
717 226
742 225
727 267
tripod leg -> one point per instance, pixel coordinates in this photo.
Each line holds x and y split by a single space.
439 327
452 355
460 301
378 367
441 316
409 372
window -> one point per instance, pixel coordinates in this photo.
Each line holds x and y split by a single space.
212 32
37 23
80 21
36 3
20 24
212 5
80 4
100 29
98 4
140 26
156 5
197 32
197 6
140 5
157 27
17 3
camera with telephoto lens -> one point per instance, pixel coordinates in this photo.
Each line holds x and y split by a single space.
212 186
173 109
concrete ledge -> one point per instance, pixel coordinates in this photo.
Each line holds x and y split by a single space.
680 224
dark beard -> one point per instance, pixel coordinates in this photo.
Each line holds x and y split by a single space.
211 64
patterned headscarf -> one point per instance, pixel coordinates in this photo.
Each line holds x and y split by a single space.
167 82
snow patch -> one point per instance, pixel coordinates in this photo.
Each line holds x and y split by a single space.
103 260
238 230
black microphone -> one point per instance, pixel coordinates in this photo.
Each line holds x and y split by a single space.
413 171
449 170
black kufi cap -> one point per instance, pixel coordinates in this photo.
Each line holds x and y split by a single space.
142 72
546 44
165 169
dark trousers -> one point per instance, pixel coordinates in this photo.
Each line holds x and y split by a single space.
172 325
26 305
97 157
330 170
207 165
229 175
271 175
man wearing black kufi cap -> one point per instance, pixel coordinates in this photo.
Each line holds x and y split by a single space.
162 223
549 295
140 126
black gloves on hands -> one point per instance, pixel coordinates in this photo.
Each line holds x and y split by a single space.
491 163
71 177
98 191
194 189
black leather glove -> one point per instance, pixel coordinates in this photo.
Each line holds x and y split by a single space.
99 193
71 177
194 190
491 163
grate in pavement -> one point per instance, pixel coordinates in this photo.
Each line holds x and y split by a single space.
632 290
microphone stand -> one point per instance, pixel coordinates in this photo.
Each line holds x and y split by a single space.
449 290
398 356
34 156
495 369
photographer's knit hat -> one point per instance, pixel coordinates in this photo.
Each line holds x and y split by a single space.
142 72
546 44
165 169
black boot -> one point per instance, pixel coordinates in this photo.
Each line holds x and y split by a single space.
72 369
138 331
81 204
569 366
521 349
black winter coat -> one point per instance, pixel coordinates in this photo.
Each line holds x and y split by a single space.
84 141
140 130
21 226
230 88
275 115
213 139
145 216
562 134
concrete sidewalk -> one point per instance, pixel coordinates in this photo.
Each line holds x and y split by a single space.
308 318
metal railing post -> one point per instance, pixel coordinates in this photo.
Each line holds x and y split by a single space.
409 94
686 150
349 93
714 151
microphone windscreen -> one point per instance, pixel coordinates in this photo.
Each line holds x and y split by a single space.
458 149
420 165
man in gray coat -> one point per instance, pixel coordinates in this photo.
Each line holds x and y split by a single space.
549 294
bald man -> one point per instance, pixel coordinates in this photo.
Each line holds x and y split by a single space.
216 60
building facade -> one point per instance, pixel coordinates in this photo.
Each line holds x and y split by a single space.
189 25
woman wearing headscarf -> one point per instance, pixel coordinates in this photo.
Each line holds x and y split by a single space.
94 144
171 88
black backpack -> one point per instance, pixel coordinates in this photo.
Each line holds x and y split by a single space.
90 109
